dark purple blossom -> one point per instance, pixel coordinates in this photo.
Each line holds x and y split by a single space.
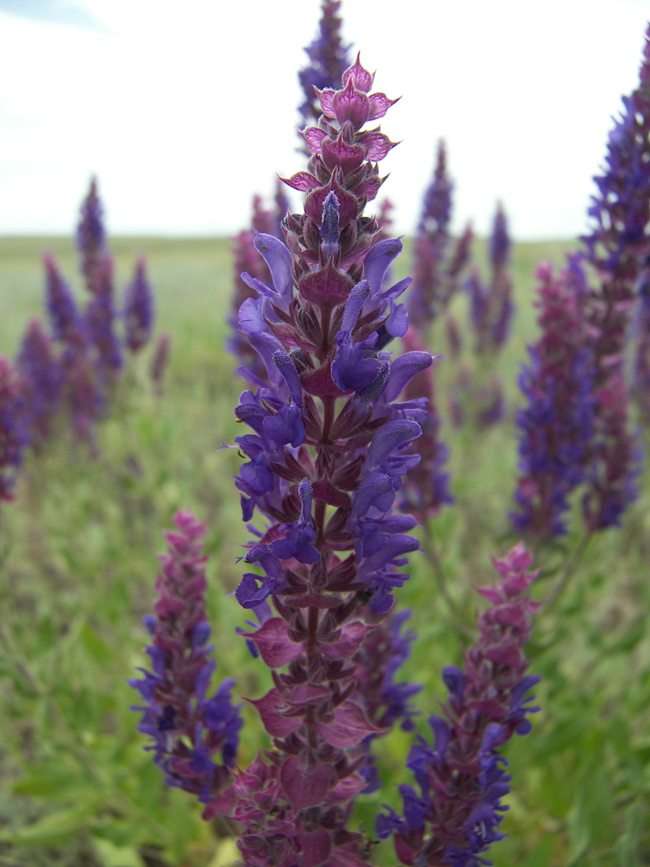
91 236
14 426
641 359
491 306
557 422
455 811
246 260
436 269
426 487
41 369
138 308
194 735
328 59
100 322
617 246
159 361
385 649
65 319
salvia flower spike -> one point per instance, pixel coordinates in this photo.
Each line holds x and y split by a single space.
437 265
329 444
43 374
138 309
328 59
617 246
194 735
91 236
557 421
453 813
14 426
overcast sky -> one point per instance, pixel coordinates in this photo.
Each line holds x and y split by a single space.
185 109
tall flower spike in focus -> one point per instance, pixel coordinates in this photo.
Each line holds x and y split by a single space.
328 60
456 810
556 424
91 235
194 736
328 447
617 247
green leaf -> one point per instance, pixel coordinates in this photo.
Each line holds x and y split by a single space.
53 829
95 645
540 854
116 856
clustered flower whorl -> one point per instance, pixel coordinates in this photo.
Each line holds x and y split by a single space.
455 813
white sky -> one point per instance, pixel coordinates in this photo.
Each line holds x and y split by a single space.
185 109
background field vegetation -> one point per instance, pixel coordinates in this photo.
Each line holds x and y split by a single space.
77 566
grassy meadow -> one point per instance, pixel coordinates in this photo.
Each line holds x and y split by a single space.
78 561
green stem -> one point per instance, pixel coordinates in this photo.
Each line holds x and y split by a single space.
431 550
569 571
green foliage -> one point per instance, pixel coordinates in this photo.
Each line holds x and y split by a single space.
78 565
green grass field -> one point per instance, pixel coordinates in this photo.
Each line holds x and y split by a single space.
77 566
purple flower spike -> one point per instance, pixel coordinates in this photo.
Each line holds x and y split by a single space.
14 426
328 59
491 306
65 320
194 736
329 442
426 487
618 247
641 333
138 308
91 236
436 268
100 321
456 811
557 422
159 362
43 375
